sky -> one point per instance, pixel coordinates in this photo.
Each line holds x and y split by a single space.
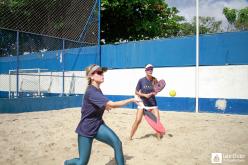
212 8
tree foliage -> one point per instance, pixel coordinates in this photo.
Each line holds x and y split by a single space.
138 20
230 14
237 19
242 19
206 25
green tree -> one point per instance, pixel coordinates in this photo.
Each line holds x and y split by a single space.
206 25
138 20
242 19
230 15
237 19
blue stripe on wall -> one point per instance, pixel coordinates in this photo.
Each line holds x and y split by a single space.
39 104
234 106
186 104
4 94
164 103
176 104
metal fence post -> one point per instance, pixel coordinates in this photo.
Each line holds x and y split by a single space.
99 33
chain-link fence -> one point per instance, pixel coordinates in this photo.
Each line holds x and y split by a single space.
74 20
45 44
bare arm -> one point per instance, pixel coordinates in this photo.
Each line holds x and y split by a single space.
117 104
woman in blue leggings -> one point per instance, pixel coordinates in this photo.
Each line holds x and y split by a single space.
91 125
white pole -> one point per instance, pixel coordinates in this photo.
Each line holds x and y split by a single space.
9 84
39 82
197 60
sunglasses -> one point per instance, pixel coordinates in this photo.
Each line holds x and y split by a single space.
149 69
99 72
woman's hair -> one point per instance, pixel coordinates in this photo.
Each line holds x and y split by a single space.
88 69
154 80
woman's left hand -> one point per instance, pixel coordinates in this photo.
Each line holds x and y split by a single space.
108 109
137 100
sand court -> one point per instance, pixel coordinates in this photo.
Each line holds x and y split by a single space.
48 138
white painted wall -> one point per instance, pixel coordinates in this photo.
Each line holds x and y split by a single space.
214 81
224 82
124 81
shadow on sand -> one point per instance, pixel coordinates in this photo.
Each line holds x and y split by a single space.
112 161
154 135
147 136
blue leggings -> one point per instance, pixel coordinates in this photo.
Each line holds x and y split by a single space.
105 135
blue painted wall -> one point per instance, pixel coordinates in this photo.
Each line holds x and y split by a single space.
217 49
163 52
224 49
38 104
186 104
234 106
73 60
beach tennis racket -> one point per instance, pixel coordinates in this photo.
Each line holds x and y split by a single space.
151 118
153 121
159 86
150 115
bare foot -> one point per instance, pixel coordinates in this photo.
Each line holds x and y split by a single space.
158 136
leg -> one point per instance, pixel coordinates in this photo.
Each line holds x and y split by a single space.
106 135
139 115
156 113
84 148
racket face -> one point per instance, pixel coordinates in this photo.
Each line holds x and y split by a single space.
150 115
159 86
157 126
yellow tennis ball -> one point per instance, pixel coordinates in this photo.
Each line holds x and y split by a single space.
172 93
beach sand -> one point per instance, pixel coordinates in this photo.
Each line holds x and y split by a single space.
48 138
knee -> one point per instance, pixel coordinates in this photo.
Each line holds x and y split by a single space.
137 121
117 143
82 162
